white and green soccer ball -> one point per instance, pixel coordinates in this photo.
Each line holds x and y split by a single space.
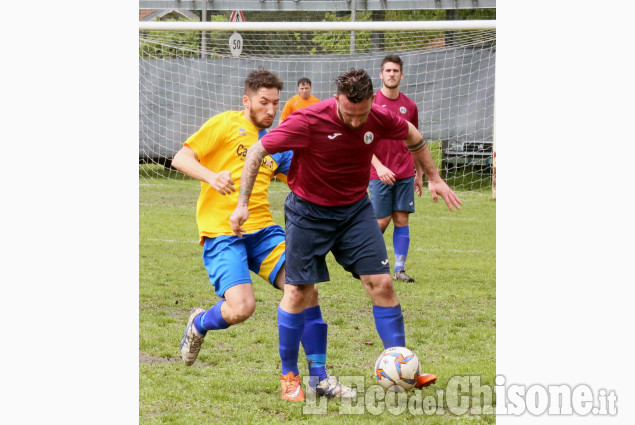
397 369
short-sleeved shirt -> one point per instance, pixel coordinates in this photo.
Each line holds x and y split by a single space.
393 153
330 161
221 144
297 103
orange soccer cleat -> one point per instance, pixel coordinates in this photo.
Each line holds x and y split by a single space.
426 379
291 388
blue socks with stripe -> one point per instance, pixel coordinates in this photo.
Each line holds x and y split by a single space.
314 343
211 319
290 329
390 325
401 243
309 328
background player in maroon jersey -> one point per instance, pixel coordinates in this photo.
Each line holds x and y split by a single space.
392 175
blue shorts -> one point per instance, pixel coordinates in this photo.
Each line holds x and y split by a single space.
387 198
350 232
228 259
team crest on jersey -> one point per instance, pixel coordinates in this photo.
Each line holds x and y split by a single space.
242 132
403 109
368 137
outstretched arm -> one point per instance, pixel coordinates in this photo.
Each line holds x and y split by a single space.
247 179
420 151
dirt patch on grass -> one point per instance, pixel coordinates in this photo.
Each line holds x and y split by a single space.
145 358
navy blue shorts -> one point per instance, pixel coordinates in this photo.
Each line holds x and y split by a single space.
398 197
350 232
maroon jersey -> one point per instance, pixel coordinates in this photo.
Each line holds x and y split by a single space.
393 153
330 161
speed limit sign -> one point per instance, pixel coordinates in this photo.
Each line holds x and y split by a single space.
236 44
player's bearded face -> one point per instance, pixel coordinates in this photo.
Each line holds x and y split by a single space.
262 106
353 115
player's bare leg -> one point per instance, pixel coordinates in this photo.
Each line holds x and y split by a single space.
296 297
312 297
383 223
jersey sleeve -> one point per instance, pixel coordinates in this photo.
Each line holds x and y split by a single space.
292 134
283 160
205 140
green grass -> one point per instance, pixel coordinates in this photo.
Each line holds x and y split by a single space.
449 316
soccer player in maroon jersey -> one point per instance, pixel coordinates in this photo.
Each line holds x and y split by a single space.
393 182
328 208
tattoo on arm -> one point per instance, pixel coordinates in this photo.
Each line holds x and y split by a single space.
421 144
250 171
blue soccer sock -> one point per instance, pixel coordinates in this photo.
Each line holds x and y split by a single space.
211 319
314 343
290 328
401 243
390 326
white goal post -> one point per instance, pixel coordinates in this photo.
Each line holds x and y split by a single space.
190 71
319 26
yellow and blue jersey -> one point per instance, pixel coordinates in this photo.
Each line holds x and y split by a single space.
221 144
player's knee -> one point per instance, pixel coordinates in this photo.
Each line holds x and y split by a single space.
298 295
381 289
242 310
400 218
312 297
384 288
383 223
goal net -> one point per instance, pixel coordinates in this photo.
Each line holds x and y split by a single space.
188 76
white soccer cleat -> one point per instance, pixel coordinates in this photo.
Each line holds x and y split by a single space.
192 339
330 387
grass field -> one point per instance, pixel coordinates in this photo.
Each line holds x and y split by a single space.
449 316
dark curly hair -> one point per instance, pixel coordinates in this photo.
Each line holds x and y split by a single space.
394 59
260 78
355 84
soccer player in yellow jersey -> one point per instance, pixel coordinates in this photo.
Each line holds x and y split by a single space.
215 156
301 100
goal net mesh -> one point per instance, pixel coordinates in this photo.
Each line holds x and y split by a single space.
186 77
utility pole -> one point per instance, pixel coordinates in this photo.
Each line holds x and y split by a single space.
203 33
353 18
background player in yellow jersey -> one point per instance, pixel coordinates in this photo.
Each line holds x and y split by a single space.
301 100
215 156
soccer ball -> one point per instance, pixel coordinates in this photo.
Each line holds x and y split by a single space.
397 369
